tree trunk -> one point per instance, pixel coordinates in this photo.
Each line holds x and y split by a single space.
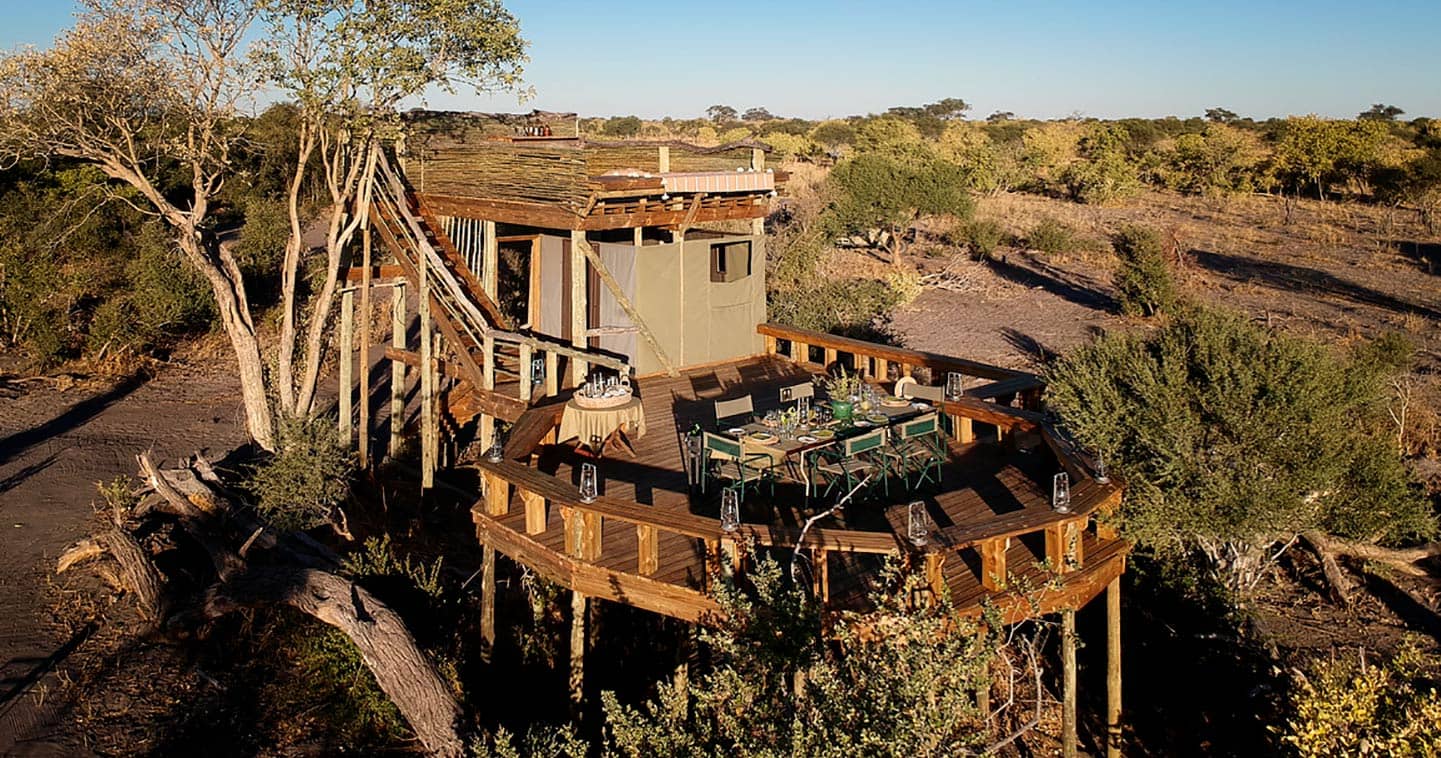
403 672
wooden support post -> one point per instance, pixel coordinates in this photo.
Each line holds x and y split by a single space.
1113 669
965 429
830 357
552 378
993 563
883 370
1063 546
365 314
623 300
771 345
397 368
822 571
534 512
731 557
347 363
649 556
1068 683
486 423
800 352
638 235
497 494
427 382
663 159
527 386
487 602
861 364
935 576
758 159
590 536
906 369
579 305
577 652
490 261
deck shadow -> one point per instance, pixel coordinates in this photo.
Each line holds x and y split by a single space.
1285 276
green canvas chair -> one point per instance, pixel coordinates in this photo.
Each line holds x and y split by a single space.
846 464
918 448
725 458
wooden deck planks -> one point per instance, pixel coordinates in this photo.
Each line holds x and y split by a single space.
985 487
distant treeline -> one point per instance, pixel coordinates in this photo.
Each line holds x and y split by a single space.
1372 158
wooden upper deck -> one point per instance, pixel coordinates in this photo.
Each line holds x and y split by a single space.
653 541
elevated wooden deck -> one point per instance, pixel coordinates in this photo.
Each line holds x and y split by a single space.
654 542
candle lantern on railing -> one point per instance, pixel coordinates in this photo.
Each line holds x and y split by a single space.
730 513
1061 493
918 523
589 487
537 370
497 449
955 385
1101 477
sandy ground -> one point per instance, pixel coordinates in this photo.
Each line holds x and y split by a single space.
54 447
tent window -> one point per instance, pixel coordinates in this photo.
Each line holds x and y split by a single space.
730 261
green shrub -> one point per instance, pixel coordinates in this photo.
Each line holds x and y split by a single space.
1352 706
836 304
1233 438
984 236
308 477
330 665
1144 285
377 558
1051 236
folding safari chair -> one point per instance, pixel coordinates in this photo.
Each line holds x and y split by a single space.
725 458
917 448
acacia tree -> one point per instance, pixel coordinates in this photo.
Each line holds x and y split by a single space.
347 66
151 92
148 92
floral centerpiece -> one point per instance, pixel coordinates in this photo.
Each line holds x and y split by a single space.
843 389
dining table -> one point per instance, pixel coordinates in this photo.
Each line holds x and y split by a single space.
756 436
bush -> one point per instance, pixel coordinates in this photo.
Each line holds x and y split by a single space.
308 477
1233 438
1144 285
837 305
984 235
1351 706
1050 236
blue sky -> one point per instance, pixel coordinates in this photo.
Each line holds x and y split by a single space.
1038 59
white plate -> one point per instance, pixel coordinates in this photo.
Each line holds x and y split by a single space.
921 406
862 422
735 430
806 439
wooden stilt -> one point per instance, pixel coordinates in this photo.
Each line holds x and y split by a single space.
427 384
397 368
487 602
487 422
1068 684
365 313
347 363
1113 669
577 652
527 385
552 374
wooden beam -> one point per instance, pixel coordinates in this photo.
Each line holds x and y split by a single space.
648 557
1068 683
993 563
387 271
578 609
397 368
1113 669
347 364
427 379
487 602
624 301
579 305
363 441
691 212
534 512
490 261
506 212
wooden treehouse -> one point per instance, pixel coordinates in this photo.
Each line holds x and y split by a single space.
543 260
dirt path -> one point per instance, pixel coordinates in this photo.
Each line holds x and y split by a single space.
54 447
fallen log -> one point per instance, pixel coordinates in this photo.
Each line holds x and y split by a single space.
287 571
